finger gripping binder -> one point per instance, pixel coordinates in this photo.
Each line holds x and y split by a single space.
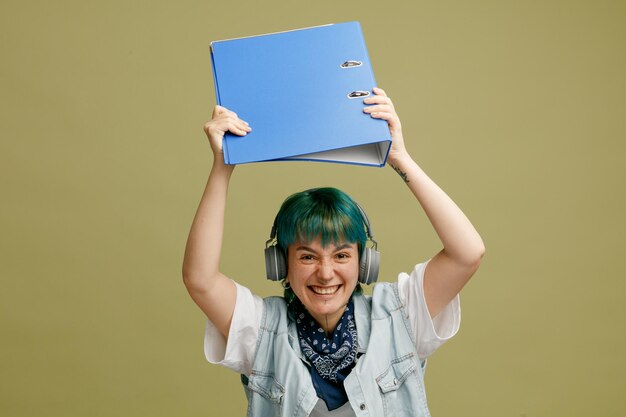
302 93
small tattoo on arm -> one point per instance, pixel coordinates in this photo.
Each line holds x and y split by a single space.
401 173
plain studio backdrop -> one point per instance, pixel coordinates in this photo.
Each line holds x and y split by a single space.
516 108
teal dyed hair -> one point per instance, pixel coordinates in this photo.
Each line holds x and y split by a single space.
327 213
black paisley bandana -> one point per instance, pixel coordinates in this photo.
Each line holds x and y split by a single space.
332 358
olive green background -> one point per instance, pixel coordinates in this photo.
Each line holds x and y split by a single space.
516 108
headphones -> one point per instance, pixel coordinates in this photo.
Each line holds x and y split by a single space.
276 264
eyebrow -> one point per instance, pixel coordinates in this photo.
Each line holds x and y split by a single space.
337 248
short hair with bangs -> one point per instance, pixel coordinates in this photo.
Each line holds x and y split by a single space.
326 212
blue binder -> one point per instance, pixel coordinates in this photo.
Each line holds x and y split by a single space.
302 93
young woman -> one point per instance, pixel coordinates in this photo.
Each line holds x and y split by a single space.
324 349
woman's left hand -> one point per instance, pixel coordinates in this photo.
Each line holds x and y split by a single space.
380 106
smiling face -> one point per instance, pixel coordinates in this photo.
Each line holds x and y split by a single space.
323 278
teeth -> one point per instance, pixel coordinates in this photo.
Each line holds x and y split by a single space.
325 290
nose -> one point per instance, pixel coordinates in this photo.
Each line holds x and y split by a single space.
325 270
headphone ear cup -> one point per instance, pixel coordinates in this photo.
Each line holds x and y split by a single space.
368 266
275 264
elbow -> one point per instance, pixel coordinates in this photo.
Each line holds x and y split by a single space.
195 285
472 256
199 281
476 255
188 280
193 281
477 248
187 276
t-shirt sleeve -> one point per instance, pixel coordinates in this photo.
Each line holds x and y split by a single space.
430 333
236 353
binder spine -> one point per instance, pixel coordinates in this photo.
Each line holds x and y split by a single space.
218 100
217 88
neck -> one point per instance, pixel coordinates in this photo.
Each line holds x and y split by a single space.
328 323
327 328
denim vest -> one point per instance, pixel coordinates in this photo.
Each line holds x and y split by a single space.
387 380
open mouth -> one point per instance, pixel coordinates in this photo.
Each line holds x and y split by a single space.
325 290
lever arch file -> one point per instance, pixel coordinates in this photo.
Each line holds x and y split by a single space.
302 93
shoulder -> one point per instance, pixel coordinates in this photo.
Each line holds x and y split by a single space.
275 302
384 290
274 312
385 298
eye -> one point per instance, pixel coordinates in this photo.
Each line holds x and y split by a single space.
343 255
307 258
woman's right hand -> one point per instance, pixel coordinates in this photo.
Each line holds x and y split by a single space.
222 121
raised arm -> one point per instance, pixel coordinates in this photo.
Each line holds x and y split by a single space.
463 249
211 290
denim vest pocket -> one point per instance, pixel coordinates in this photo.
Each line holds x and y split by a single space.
401 388
394 376
266 386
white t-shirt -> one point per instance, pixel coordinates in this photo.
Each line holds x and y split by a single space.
238 352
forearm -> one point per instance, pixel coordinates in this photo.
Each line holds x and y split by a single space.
204 244
450 269
460 239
